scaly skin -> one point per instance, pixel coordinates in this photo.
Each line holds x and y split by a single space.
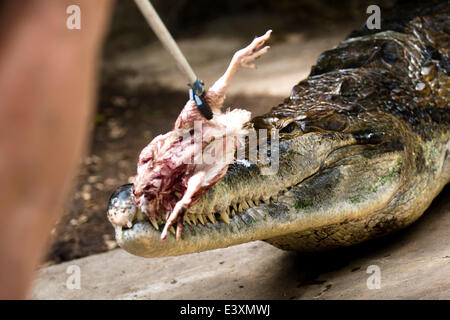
364 149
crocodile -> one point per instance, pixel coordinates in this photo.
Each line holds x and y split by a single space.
364 148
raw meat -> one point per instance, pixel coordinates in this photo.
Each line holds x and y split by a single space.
177 168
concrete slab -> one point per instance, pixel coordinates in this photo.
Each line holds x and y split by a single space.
413 264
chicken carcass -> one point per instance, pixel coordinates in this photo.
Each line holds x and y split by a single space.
178 167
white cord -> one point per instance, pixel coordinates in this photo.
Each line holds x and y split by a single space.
164 36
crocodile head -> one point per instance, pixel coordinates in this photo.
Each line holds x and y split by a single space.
363 149
323 178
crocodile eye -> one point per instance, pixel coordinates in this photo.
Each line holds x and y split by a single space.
289 128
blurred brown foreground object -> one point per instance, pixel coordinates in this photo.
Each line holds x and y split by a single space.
47 85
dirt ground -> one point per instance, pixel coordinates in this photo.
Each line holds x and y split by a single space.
141 95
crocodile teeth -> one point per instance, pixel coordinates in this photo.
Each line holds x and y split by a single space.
211 218
188 221
194 219
154 223
257 202
225 217
129 224
251 203
200 218
233 212
245 205
235 207
172 229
